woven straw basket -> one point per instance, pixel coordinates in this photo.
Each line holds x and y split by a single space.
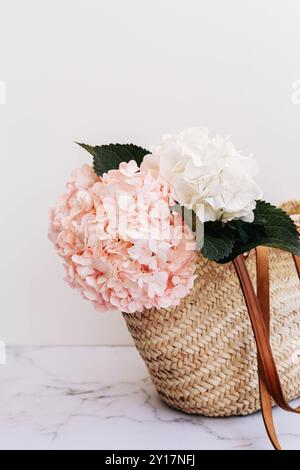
201 355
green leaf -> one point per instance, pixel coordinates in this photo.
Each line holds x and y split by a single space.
271 227
88 148
273 217
218 241
108 157
223 242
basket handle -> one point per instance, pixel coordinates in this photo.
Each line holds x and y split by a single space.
259 313
297 263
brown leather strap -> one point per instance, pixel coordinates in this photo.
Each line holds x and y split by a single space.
263 296
297 263
267 414
263 283
260 332
270 385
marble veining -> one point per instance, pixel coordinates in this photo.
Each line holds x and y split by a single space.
102 398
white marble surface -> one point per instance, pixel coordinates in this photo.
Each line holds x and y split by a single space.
101 398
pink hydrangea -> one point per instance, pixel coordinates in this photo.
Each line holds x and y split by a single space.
122 246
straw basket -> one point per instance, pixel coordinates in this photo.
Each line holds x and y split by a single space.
202 355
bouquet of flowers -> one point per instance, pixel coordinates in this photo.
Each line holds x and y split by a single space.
130 225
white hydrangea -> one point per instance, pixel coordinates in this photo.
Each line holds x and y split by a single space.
209 175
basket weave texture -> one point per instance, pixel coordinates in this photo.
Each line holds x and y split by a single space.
201 355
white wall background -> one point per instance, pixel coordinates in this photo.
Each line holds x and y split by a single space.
127 70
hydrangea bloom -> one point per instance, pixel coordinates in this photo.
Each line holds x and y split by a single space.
122 246
209 175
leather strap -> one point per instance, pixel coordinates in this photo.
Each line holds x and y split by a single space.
258 308
297 263
263 296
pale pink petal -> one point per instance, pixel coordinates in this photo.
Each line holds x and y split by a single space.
129 267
